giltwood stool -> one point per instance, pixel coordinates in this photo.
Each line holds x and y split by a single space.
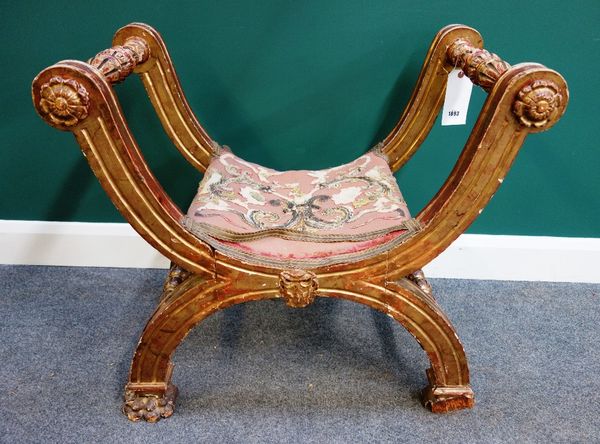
254 233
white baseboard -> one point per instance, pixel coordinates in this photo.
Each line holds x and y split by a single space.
80 244
472 256
519 258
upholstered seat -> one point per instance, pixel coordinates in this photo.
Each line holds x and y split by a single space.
304 218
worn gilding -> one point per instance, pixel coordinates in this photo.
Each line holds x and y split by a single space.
298 287
78 97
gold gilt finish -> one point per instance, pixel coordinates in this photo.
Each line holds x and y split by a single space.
63 101
298 287
117 63
78 97
481 66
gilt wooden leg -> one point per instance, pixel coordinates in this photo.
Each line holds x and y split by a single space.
149 394
420 315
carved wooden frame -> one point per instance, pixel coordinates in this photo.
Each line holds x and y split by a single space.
78 97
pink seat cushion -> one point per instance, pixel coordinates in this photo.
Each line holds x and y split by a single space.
300 217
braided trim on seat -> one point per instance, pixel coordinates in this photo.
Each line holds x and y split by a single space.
412 227
198 228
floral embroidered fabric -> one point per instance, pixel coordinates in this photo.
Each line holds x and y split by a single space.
299 215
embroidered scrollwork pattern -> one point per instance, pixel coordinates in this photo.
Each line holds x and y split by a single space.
246 198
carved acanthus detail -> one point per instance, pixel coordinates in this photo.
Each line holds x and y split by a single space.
63 101
482 67
537 102
150 408
418 277
176 276
298 287
118 62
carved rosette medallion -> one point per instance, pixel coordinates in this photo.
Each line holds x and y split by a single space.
63 101
298 287
537 103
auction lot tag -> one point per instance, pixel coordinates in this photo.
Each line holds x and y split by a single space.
456 102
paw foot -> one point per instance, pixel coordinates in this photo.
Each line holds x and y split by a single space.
150 408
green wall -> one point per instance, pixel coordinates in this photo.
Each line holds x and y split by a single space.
304 84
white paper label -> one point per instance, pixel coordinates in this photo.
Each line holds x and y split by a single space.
458 94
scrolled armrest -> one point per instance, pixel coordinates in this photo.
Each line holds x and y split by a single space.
161 82
527 98
139 48
458 46
426 101
76 97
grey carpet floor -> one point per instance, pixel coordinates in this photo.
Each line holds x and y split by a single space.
262 372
